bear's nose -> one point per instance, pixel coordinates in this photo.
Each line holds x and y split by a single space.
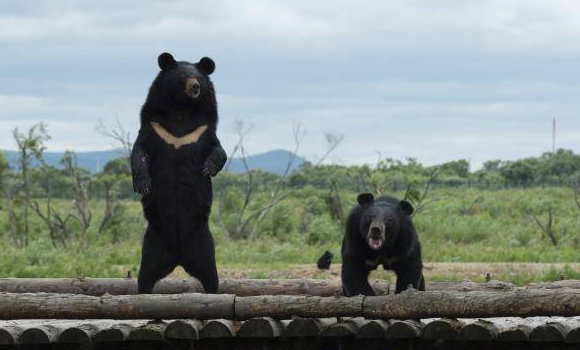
192 87
375 231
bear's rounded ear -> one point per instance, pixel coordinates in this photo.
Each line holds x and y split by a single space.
166 61
206 65
365 198
406 207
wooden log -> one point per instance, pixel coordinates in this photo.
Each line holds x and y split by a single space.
151 331
302 286
152 306
218 328
552 332
407 305
412 304
479 330
125 286
118 332
555 329
468 286
10 331
42 334
183 329
573 335
404 329
518 329
345 328
239 287
373 329
261 327
307 327
286 307
44 331
9 334
83 332
95 286
445 328
572 284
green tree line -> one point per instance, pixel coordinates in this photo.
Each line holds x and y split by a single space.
68 204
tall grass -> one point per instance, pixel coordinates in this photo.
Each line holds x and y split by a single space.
497 228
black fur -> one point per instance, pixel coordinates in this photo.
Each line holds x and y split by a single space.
400 252
175 183
325 260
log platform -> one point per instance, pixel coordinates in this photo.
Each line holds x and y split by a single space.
243 287
298 333
286 314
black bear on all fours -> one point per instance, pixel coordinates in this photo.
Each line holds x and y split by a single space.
175 155
380 232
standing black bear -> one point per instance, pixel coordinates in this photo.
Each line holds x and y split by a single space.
175 154
380 232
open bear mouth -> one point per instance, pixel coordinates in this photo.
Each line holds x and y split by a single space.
375 243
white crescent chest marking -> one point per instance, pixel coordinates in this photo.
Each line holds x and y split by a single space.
175 141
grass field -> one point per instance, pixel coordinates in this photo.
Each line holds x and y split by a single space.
487 228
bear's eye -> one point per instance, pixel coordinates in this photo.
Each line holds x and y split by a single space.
389 221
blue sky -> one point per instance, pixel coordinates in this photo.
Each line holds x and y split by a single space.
436 80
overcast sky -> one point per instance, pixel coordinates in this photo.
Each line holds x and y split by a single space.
436 80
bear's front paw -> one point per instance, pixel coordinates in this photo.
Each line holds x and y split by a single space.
142 186
210 168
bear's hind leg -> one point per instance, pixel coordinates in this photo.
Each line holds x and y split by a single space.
156 261
198 259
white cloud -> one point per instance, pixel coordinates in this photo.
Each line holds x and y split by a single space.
432 79
10 104
492 26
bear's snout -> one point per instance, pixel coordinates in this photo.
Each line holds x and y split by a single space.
376 235
377 230
192 87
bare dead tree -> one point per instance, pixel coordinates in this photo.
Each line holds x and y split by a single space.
30 146
15 226
332 142
247 222
107 182
81 193
123 137
243 218
242 130
334 202
58 228
548 228
422 201
276 196
119 134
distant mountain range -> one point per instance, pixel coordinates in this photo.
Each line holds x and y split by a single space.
274 161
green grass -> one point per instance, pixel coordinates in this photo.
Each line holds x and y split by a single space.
498 228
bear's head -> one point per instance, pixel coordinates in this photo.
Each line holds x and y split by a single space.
181 84
381 220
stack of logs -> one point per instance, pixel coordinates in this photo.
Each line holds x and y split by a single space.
286 314
279 299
